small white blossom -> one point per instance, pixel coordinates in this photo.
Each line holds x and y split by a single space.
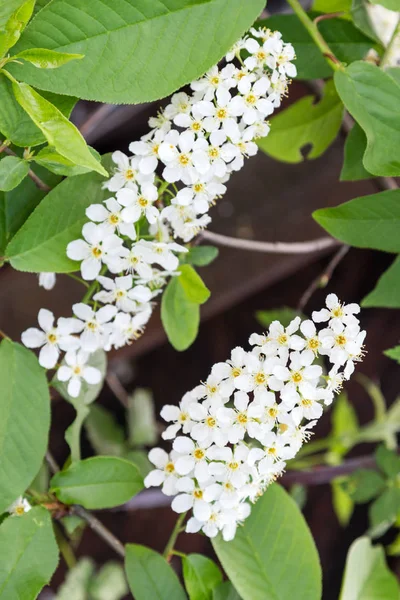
19 507
75 370
47 280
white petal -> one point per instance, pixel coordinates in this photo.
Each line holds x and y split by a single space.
64 373
33 338
83 311
74 387
183 445
90 268
48 356
158 457
154 478
97 212
46 319
77 250
91 375
182 503
201 510
184 465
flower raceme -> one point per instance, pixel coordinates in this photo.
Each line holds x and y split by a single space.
128 245
232 435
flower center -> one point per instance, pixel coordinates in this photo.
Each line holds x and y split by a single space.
273 412
19 510
306 403
120 293
169 467
199 454
77 370
228 486
260 378
212 389
198 494
183 417
297 377
261 55
236 372
52 338
313 343
213 152
233 466
114 219
210 422
97 251
251 99
184 160
242 418
196 126
215 80
92 325
283 427
222 113
129 174
341 340
143 202
272 451
337 312
155 149
183 106
283 339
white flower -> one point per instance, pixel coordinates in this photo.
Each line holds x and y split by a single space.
222 113
200 195
233 373
148 150
52 339
254 105
241 419
47 280
19 507
211 82
179 416
192 497
110 215
343 344
92 324
336 313
281 339
77 369
139 203
180 104
216 152
207 431
121 292
127 172
299 373
98 246
176 152
192 458
132 262
161 253
126 328
165 472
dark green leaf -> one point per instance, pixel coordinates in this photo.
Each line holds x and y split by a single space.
193 285
25 422
285 315
105 434
54 162
364 485
393 353
273 556
12 171
386 508
28 555
201 576
56 128
299 494
47 59
190 36
150 576
304 124
142 422
99 482
373 98
388 461
366 574
387 290
41 482
353 168
225 591
201 256
366 222
179 316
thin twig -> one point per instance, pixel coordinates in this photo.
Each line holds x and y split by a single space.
274 247
328 16
117 389
35 178
53 466
323 279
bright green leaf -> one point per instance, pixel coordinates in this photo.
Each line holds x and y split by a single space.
273 556
393 353
387 291
40 245
201 256
89 392
364 485
388 461
12 171
201 576
142 422
394 548
331 6
99 482
385 509
15 25
354 148
302 124
105 434
366 574
372 97
25 420
109 584
190 37
58 130
193 285
342 503
47 59
28 554
284 315
16 125
54 162
7 8
367 222
150 576
180 316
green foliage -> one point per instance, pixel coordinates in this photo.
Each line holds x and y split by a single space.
82 583
302 124
17 17
201 256
354 148
367 222
361 19
47 59
366 574
345 41
40 245
12 171
76 583
142 419
389 4
344 426
98 482
201 576
28 554
342 503
373 98
128 33
364 485
56 128
285 315
273 552
54 162
387 290
225 591
89 392
193 285
393 353
150 576
25 422
105 434
330 6
388 462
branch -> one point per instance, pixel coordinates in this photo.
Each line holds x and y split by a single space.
35 178
274 247
117 389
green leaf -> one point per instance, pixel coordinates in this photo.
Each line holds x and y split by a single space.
273 556
89 392
354 148
304 124
109 584
372 97
77 580
361 19
389 4
41 481
367 222
393 353
385 509
285 315
7 8
345 41
73 432
367 575
225 591
16 125
150 576
299 494
331 6
180 317
193 285
394 72
57 129
15 25
25 420
47 59
98 482
40 245
105 434
140 459
54 162
394 548
364 485
158 46
201 576
201 256
12 171
344 425
342 503
387 291
142 422
28 554
388 461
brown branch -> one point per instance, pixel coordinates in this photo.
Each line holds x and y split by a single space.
35 178
328 16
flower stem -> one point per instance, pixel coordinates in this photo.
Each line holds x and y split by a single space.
313 30
174 535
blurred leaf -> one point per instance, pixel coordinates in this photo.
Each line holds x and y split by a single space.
12 171
141 417
140 459
54 162
225 591
354 149
77 580
47 59
386 508
305 123
201 576
201 256
299 494
109 583
387 291
89 392
344 425
285 315
361 19
73 525
331 6
342 503
393 353
394 548
7 8
395 73
389 4
180 317
193 285
388 461
367 575
41 482
106 436
363 485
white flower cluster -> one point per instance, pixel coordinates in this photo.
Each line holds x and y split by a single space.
198 141
233 434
